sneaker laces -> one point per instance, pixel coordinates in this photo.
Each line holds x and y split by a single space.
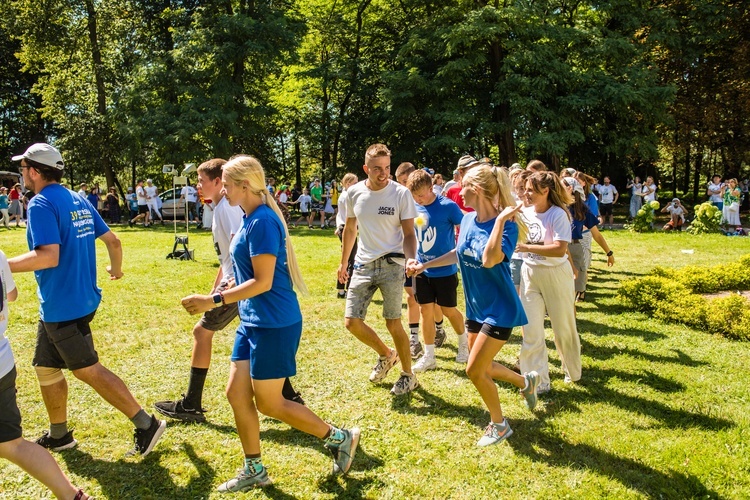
403 382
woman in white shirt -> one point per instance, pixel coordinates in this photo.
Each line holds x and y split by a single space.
547 283
649 190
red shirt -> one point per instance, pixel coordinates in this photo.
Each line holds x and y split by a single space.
14 194
454 193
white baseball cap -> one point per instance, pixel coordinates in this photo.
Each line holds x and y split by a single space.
42 153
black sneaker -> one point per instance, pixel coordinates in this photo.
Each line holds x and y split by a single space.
178 411
64 443
296 397
145 439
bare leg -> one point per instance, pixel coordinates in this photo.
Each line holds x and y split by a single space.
401 342
455 318
39 463
55 399
202 344
110 387
428 323
270 402
240 395
367 336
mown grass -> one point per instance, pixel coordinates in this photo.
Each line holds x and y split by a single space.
661 410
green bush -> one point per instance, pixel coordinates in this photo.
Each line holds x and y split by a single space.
707 219
672 295
644 218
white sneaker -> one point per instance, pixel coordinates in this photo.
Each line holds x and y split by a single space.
383 366
543 389
406 383
462 356
425 363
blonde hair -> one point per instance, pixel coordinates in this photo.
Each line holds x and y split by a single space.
494 182
417 180
247 168
375 151
558 195
349 179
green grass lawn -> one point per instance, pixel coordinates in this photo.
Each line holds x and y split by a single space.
661 411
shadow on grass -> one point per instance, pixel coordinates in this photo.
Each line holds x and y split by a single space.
144 479
435 405
551 449
606 352
586 327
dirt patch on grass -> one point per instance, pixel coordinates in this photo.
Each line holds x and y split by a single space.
726 293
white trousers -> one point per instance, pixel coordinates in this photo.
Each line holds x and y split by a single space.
5 216
551 290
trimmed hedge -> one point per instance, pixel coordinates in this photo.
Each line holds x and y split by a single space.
672 295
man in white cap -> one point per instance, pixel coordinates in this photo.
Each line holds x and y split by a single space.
62 230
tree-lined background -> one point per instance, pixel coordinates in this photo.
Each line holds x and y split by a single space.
616 87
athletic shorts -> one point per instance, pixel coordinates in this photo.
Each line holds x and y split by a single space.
605 209
408 281
384 274
305 214
316 207
143 209
272 351
515 271
218 318
441 290
10 416
495 332
67 344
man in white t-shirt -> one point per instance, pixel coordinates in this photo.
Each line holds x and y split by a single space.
189 195
152 199
608 196
384 213
714 192
677 214
227 220
142 198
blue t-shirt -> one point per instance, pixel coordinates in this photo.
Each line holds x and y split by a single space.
489 292
263 233
593 203
3 201
59 216
436 233
576 226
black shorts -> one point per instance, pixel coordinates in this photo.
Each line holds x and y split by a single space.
408 281
218 318
142 209
67 344
10 416
605 209
495 332
305 214
441 290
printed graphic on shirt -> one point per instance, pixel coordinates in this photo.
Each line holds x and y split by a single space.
83 220
387 211
426 234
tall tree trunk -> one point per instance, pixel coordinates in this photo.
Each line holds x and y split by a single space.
686 179
297 157
101 95
697 173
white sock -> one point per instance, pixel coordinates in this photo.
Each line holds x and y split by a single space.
429 350
463 339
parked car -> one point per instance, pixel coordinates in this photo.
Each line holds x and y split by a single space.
170 203
10 179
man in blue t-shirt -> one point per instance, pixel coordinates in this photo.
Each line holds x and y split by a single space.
62 230
435 224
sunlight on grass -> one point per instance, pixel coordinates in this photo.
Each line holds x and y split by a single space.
661 410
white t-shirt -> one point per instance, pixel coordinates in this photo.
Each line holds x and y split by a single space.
715 198
544 229
650 192
379 215
140 191
678 211
437 189
82 192
226 222
304 203
341 214
151 193
607 194
447 186
6 354
283 198
190 194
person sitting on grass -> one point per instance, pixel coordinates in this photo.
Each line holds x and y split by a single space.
677 213
29 456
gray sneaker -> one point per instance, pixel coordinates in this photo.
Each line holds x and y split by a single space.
495 433
529 393
415 348
245 482
439 336
383 366
407 382
343 453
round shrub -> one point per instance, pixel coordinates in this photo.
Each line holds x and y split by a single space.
707 219
724 315
645 294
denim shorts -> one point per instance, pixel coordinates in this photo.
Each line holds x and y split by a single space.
515 271
385 274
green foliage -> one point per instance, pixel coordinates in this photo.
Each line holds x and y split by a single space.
672 295
644 218
707 219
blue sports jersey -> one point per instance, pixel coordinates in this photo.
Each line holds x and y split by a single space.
59 216
576 226
263 233
593 203
436 233
489 292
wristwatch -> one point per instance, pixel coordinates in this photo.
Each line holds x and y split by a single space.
609 254
218 299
